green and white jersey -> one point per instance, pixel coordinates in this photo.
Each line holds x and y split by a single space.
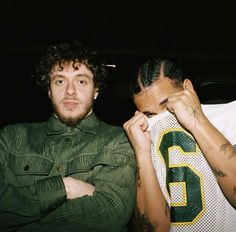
187 181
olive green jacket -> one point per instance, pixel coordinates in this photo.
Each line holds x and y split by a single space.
34 158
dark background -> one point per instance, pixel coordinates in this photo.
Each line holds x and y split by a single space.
201 34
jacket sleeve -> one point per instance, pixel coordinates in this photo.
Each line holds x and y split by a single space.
111 206
21 205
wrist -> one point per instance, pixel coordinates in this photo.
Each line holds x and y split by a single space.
67 188
143 157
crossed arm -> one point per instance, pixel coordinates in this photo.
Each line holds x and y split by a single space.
110 205
57 204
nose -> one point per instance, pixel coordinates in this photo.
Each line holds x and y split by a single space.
70 89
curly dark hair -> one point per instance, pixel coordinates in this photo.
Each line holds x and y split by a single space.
73 52
151 71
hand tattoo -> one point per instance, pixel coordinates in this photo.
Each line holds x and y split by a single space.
195 113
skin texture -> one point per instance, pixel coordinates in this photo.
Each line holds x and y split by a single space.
182 101
72 92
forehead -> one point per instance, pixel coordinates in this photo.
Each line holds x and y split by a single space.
150 97
71 67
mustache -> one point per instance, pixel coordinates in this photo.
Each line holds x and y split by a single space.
74 98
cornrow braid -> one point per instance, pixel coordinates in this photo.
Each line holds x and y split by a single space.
151 71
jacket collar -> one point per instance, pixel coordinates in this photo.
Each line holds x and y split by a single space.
89 124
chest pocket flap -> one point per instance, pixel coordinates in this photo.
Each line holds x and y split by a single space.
87 161
30 164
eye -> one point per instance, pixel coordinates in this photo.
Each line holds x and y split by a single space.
82 82
59 82
149 115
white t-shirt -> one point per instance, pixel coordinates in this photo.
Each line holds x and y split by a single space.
188 183
223 117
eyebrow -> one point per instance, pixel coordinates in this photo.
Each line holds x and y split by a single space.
63 76
83 75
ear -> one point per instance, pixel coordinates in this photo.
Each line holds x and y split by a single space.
187 84
96 92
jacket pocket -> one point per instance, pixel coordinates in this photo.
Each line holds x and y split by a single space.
86 162
30 164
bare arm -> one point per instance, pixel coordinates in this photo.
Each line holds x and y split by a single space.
152 211
218 151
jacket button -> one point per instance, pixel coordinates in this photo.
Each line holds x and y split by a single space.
58 168
26 168
67 140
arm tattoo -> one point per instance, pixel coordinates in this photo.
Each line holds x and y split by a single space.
224 146
138 178
219 173
141 222
233 153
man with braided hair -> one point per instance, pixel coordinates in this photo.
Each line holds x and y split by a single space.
73 172
185 155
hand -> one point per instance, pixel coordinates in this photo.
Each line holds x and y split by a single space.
186 107
77 188
136 129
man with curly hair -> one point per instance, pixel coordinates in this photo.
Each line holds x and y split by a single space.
73 172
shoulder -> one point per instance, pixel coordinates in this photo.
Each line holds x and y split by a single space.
216 112
115 137
112 132
222 116
110 127
22 129
24 126
212 109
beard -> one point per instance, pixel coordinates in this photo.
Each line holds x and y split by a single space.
72 121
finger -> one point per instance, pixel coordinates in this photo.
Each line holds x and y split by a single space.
135 120
131 120
170 107
138 122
